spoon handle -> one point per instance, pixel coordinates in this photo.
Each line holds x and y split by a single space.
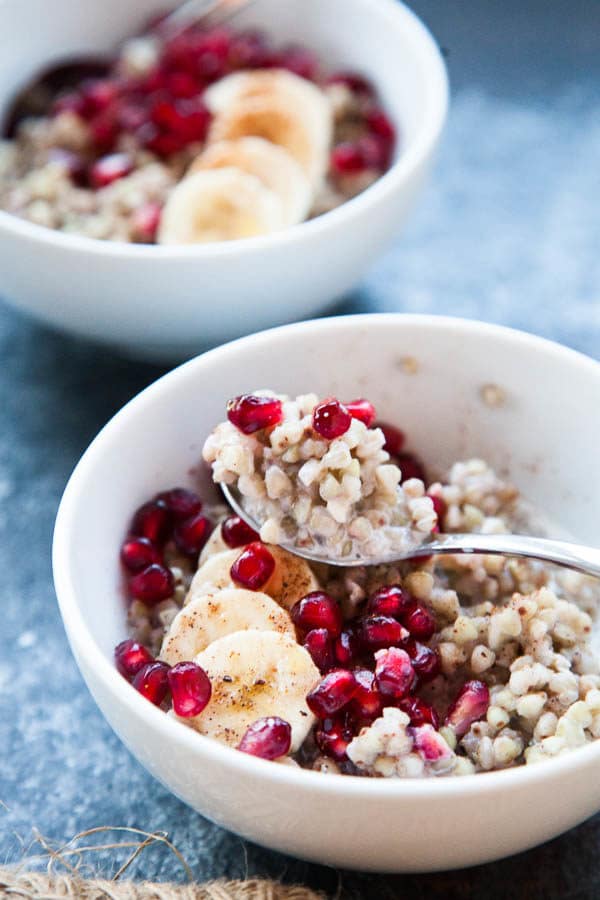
564 553
210 11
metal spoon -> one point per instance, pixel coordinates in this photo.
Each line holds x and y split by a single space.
562 553
209 12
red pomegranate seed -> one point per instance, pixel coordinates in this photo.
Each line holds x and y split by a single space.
331 419
73 102
253 567
363 410
346 647
190 536
110 168
317 610
471 704
375 152
333 735
419 712
394 438
188 119
298 60
390 600
130 656
319 644
332 693
182 85
348 158
367 702
153 521
420 623
163 145
440 507
268 738
250 413
190 689
152 682
355 82
380 124
379 632
249 50
138 553
430 745
145 221
151 585
99 94
181 503
394 672
425 660
236 533
410 467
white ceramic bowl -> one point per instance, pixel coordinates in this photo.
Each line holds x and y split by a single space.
171 302
545 438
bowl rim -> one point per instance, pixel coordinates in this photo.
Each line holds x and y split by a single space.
83 643
396 15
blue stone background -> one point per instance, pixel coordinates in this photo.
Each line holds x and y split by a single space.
507 232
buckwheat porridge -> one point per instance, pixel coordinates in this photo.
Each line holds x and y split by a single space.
449 665
191 136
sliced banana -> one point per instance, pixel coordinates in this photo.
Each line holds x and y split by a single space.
282 108
291 579
215 544
219 205
212 616
271 164
255 674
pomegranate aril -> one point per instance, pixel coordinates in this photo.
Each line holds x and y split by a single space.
332 693
145 221
249 50
425 660
394 672
333 735
253 567
317 610
110 168
152 585
99 94
130 656
191 535
363 410
355 82
375 152
394 438
187 119
250 413
420 623
183 85
471 704
390 600
153 521
138 553
347 647
430 745
268 738
181 503
419 712
367 702
72 102
381 125
152 681
331 419
440 507
410 467
190 689
348 158
319 644
104 132
236 533
298 60
379 632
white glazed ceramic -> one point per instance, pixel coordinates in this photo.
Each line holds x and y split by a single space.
545 437
171 302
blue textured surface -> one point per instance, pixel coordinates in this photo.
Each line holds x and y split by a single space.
508 232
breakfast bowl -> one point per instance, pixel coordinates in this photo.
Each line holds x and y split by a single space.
460 389
170 301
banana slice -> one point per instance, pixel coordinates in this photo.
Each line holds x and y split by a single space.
271 164
291 579
255 674
219 205
215 544
277 105
208 618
